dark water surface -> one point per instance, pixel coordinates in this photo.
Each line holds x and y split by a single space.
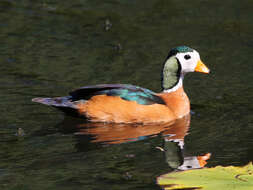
50 47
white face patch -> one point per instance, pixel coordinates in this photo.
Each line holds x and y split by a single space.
188 61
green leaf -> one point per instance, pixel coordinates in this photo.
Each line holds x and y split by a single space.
225 178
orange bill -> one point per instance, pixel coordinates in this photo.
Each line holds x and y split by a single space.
201 67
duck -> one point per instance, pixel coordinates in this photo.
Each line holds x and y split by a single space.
126 103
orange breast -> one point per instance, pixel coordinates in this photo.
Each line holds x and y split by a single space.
177 101
105 108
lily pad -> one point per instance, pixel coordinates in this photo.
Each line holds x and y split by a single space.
225 178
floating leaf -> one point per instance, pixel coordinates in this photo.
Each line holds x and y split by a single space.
225 178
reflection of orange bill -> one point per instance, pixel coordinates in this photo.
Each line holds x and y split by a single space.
202 159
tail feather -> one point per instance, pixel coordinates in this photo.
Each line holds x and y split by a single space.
63 103
57 101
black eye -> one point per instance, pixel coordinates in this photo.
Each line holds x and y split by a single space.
187 57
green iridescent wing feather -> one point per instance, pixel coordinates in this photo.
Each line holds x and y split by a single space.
125 91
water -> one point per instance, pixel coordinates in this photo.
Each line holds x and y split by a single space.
49 48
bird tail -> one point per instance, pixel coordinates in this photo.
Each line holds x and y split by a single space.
62 103
57 101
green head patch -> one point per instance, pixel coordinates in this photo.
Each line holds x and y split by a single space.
179 49
171 73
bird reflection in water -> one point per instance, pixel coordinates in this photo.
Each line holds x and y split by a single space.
173 134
